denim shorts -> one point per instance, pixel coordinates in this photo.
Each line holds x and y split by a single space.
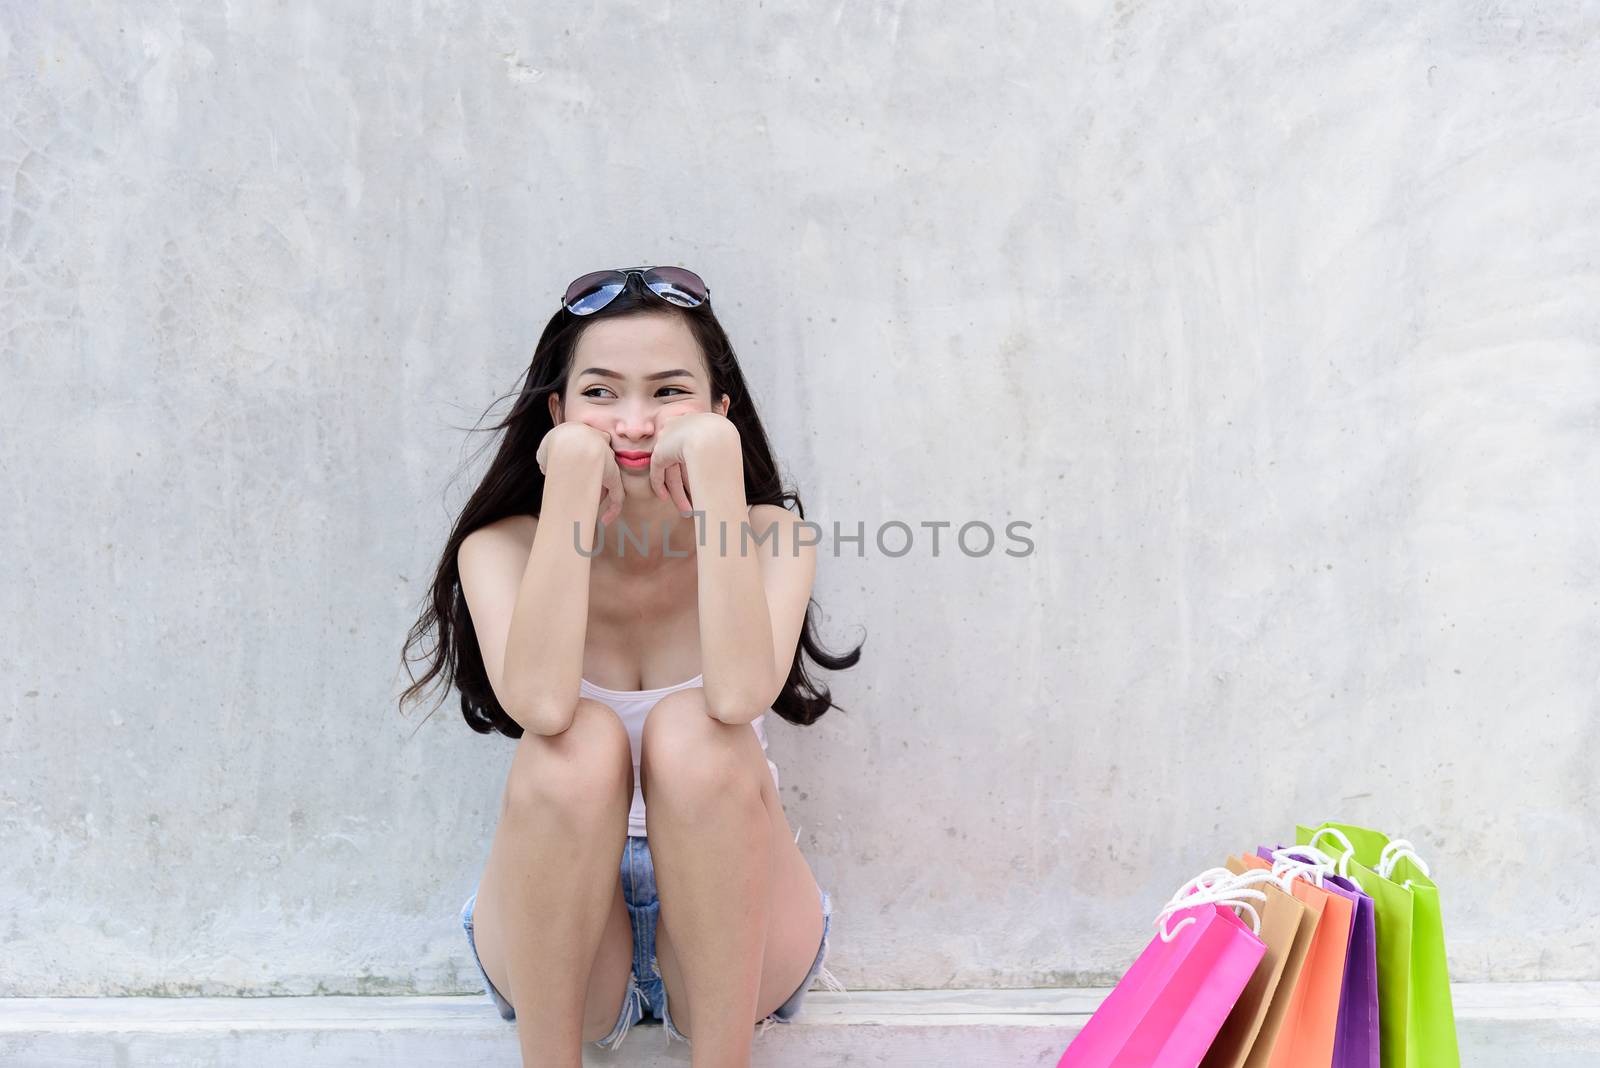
646 993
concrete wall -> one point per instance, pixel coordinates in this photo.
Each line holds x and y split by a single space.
1278 325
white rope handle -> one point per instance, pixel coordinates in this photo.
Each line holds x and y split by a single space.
1309 854
1343 869
1290 866
1397 848
1222 894
1215 886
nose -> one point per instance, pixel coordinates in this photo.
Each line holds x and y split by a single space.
634 423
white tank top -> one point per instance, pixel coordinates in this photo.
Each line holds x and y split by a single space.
631 706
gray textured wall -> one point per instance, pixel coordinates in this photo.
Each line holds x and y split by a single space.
1278 323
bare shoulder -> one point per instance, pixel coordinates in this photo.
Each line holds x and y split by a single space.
501 544
770 513
763 516
513 529
777 523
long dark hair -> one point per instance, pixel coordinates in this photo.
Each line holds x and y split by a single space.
514 484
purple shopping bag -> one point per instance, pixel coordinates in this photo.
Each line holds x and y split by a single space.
1356 1037
1168 1007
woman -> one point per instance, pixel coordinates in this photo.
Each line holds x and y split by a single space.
626 594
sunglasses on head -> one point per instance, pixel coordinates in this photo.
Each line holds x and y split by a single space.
677 285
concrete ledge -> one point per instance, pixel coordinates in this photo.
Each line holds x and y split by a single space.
1502 1025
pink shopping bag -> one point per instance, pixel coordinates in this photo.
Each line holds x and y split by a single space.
1167 1009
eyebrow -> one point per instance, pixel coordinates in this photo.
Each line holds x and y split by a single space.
675 372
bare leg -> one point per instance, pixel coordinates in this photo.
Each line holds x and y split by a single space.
550 887
711 840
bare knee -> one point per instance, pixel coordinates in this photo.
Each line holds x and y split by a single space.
682 743
575 774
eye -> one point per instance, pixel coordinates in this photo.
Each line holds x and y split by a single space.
590 391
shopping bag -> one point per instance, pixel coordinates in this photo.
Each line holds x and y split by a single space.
1352 1030
1167 1008
1416 1016
1247 1024
1355 1043
1312 1015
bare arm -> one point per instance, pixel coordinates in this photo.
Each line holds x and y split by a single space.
530 605
736 619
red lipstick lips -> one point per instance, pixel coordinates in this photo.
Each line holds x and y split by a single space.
633 459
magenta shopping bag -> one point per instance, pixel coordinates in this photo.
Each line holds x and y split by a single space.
1356 1039
1168 1007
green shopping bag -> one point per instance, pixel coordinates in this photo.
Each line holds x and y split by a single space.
1416 1019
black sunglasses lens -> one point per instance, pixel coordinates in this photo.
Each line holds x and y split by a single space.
677 284
593 291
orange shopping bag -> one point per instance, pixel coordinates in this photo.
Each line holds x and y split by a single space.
1313 1012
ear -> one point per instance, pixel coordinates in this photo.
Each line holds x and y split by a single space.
555 406
726 400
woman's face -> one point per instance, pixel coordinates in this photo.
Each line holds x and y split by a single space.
630 376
